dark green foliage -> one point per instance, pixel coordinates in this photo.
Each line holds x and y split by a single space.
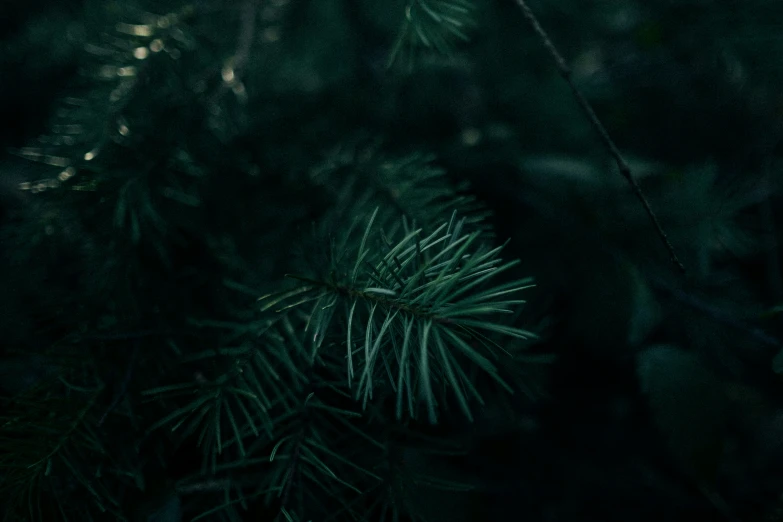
407 185
395 315
55 458
356 261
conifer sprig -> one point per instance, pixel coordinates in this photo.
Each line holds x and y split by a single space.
413 185
398 455
116 66
433 25
238 402
417 310
266 414
53 453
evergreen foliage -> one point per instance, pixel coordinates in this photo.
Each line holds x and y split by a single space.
348 261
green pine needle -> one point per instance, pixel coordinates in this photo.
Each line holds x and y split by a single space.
417 312
432 25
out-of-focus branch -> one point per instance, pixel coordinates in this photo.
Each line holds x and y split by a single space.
614 151
232 70
247 33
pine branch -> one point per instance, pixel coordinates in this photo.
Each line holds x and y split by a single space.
304 462
625 170
51 449
275 395
234 67
423 308
85 124
413 185
432 24
103 139
404 462
239 398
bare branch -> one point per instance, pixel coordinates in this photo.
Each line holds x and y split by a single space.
625 170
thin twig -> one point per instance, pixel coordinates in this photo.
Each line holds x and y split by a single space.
625 170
